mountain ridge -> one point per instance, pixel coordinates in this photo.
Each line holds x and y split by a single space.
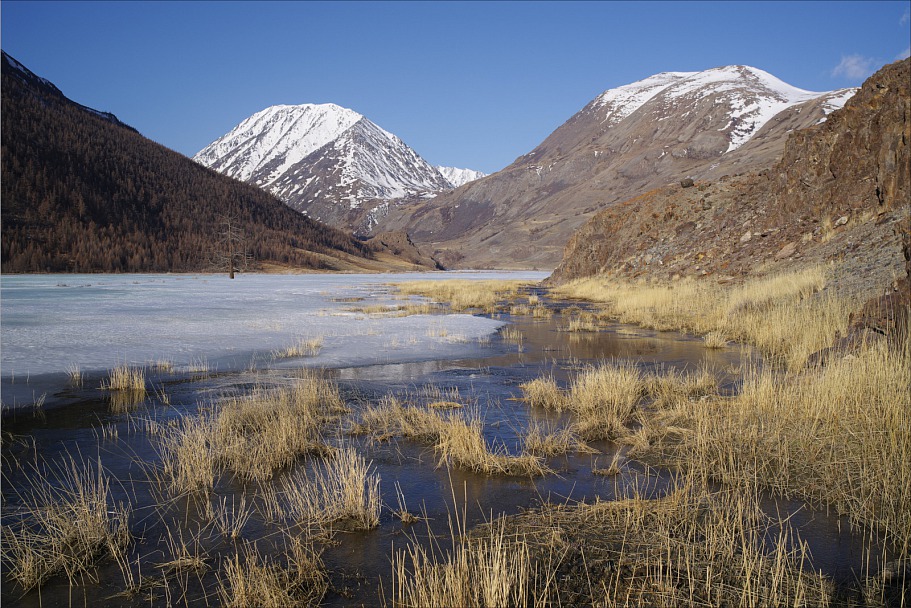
328 162
626 141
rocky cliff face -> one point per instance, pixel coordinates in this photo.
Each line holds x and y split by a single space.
625 142
840 192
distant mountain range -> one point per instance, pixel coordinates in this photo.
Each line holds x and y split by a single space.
626 141
328 162
83 192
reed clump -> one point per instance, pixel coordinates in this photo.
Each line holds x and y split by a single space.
604 399
305 347
691 547
836 434
125 378
251 436
544 440
68 522
344 487
490 569
456 434
250 579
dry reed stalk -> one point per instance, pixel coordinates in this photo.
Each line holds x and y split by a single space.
457 434
305 347
544 392
68 522
249 579
544 440
835 434
125 378
490 570
604 399
342 488
251 436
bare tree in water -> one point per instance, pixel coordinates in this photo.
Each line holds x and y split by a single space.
231 251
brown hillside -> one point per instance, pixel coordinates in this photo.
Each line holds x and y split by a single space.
839 193
81 192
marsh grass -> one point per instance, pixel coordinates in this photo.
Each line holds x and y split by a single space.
787 317
125 378
67 522
456 434
343 487
604 399
461 295
487 570
305 347
689 548
715 339
251 579
542 439
836 434
251 436
74 374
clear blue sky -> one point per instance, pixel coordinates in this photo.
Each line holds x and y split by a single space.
466 84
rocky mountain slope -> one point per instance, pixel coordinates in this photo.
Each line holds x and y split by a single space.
327 162
626 141
840 192
82 192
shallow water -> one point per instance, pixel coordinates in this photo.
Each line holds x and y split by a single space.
485 370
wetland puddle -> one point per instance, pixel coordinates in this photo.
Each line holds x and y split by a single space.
476 363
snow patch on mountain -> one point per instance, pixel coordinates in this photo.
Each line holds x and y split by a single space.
459 177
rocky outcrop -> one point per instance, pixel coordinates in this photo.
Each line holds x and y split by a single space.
858 159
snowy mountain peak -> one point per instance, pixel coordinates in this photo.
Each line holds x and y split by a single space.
751 96
459 177
323 160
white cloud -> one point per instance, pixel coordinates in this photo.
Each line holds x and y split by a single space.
905 18
904 54
853 67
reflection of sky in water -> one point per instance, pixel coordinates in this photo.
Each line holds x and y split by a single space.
50 322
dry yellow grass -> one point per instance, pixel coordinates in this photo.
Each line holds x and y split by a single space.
249 579
305 347
837 434
604 399
125 378
544 392
68 522
456 434
543 440
463 294
488 570
784 316
251 436
341 488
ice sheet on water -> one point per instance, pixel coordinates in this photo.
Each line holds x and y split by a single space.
50 322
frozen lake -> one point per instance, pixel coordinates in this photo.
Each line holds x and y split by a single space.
52 322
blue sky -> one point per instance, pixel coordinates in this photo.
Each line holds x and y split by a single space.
466 84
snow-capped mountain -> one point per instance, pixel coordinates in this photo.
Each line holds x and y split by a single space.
626 141
323 160
459 177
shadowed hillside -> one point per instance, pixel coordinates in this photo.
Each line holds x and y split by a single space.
82 192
